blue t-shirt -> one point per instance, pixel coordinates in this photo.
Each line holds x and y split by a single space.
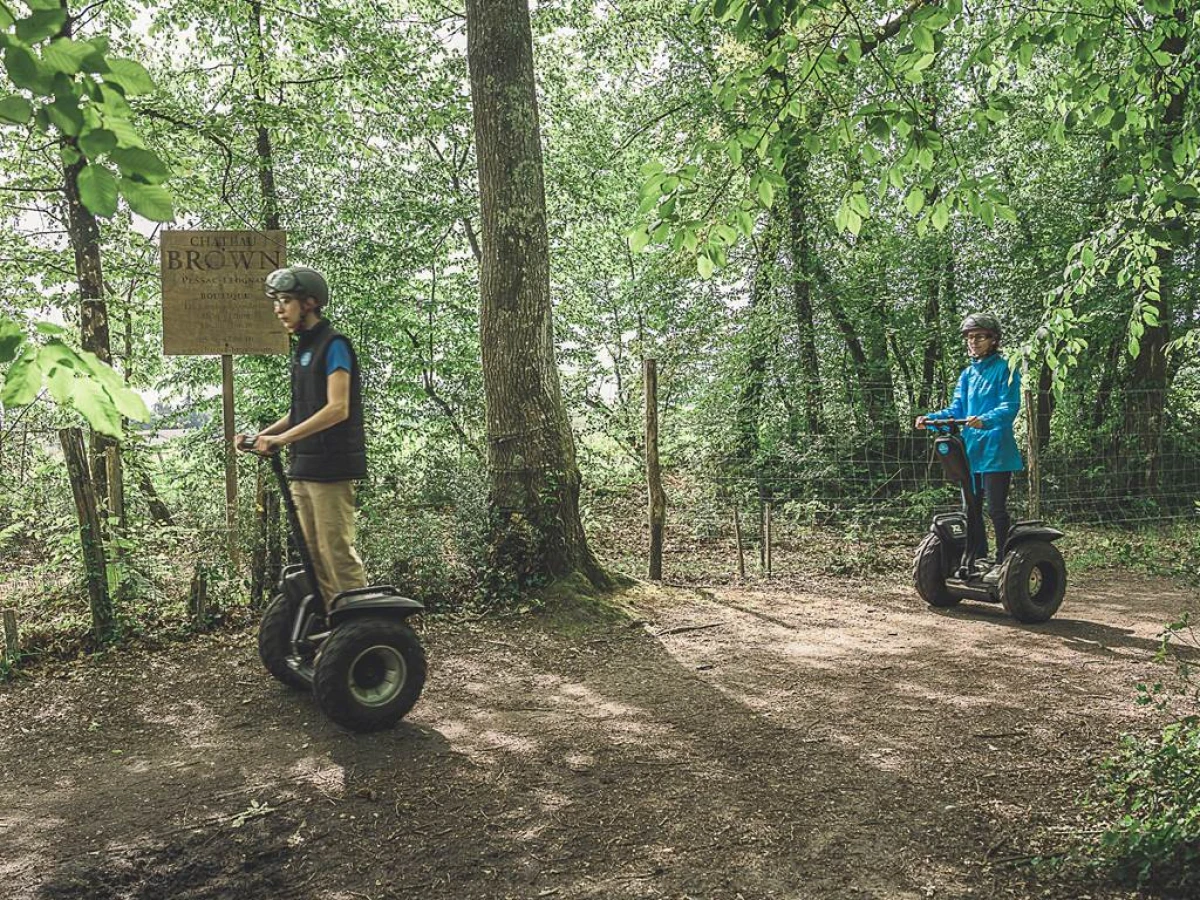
337 356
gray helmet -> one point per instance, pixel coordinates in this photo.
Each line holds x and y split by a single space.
302 281
981 322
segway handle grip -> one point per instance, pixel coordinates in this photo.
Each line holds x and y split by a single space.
247 443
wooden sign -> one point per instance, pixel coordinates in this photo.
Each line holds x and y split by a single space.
213 296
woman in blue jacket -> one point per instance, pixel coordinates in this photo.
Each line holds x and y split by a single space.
988 396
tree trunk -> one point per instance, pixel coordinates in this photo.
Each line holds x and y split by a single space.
752 384
536 531
795 171
95 564
932 351
1146 408
83 232
657 496
267 552
1045 405
84 235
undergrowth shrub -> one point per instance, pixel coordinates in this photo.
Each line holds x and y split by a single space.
1145 806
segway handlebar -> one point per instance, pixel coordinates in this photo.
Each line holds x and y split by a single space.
940 424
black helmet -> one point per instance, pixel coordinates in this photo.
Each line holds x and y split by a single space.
981 322
300 280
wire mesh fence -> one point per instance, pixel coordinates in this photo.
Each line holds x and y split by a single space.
1136 468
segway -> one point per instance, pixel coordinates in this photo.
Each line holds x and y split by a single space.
1030 581
362 661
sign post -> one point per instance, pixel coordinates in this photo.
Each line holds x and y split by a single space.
214 303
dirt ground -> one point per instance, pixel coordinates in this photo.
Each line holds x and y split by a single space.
823 739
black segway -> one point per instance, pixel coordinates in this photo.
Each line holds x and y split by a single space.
1029 581
364 664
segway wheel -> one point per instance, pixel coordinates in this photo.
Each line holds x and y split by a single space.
930 571
275 643
369 673
1033 580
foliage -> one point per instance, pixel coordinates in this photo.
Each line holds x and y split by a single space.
1146 803
893 165
77 89
75 379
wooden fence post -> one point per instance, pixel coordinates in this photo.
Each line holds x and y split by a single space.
741 548
90 532
198 598
12 645
658 498
1035 468
767 538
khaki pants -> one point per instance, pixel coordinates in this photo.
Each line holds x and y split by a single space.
326 512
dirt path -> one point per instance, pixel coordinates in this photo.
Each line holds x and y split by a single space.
826 740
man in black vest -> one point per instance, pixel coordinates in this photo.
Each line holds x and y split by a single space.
324 428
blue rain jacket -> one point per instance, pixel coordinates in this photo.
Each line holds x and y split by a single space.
986 390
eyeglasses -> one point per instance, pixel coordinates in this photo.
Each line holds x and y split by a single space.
982 336
281 302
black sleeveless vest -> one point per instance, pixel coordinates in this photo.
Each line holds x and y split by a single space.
338 453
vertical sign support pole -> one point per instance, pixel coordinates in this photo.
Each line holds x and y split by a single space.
230 461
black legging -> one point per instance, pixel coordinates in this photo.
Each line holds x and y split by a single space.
993 486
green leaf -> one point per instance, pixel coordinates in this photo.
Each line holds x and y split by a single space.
144 165
41 24
915 201
639 240
16 109
23 381
1025 55
1135 346
98 190
704 266
129 75
733 150
97 142
11 339
129 403
941 216
745 223
858 203
25 71
65 55
923 39
854 222
51 329
150 201
924 62
766 192
65 114
95 405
